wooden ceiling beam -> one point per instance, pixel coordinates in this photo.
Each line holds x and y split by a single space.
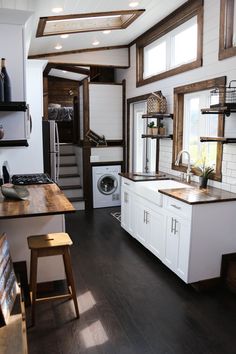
67 67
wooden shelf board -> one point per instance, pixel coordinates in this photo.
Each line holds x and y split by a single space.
158 115
218 139
218 110
13 106
170 136
13 143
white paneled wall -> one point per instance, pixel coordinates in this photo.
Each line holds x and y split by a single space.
211 68
105 110
106 154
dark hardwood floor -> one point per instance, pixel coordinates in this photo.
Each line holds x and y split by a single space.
130 303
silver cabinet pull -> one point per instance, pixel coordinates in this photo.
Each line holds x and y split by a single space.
147 221
172 225
175 206
175 230
126 197
144 217
127 184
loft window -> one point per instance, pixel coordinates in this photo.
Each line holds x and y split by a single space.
172 46
227 43
170 51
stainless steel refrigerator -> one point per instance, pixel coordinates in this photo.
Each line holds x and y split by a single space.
51 149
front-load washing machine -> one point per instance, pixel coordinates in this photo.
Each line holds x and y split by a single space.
106 186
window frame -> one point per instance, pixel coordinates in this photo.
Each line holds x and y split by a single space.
178 122
184 13
226 48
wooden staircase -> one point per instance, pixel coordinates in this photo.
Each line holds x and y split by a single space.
69 177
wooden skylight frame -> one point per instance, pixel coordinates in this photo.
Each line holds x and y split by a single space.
89 22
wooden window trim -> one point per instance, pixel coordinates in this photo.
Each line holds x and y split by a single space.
226 49
172 21
179 93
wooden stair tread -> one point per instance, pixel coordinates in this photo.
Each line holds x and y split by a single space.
76 199
69 175
75 186
67 154
68 165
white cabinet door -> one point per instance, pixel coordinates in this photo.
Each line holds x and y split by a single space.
140 221
156 232
127 210
177 245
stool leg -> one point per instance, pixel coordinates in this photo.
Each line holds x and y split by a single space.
70 278
33 282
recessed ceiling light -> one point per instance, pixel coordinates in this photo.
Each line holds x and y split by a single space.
64 71
133 3
95 42
64 36
57 10
58 46
106 31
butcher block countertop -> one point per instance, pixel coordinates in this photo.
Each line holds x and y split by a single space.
44 199
199 196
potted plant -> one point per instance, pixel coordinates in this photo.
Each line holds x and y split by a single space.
204 172
162 129
150 127
155 130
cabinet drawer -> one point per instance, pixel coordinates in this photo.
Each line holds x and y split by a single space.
178 207
128 184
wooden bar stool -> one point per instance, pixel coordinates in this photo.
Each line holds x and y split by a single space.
51 245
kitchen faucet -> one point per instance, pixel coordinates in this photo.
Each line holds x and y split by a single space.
188 172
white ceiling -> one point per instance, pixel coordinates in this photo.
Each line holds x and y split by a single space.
155 11
66 75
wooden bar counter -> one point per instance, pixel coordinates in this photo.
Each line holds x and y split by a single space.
43 212
45 199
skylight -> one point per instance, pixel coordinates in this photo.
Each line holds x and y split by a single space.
65 24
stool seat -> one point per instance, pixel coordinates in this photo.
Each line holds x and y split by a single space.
52 244
49 240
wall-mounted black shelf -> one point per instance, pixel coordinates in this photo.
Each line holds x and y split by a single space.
170 136
13 106
158 115
223 140
10 143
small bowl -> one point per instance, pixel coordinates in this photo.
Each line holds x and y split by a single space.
10 191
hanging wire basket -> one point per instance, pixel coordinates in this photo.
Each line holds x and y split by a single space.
223 96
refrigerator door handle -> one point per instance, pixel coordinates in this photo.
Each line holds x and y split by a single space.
57 143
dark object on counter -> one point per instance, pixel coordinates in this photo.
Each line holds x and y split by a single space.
6 82
203 182
1 88
5 174
10 191
35 178
1 132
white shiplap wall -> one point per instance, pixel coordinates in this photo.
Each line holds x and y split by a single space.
115 57
211 68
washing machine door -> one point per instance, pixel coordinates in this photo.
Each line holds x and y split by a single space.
107 184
